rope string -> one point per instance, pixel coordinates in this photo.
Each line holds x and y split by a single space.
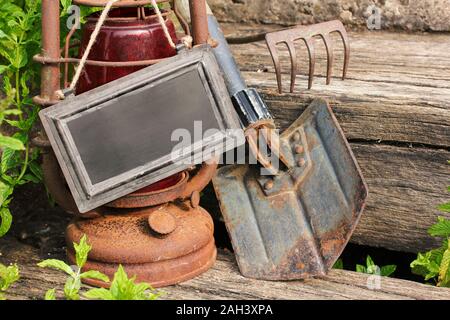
91 42
163 24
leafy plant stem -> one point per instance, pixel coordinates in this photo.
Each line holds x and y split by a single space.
25 162
18 100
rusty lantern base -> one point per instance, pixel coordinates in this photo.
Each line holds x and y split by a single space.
161 245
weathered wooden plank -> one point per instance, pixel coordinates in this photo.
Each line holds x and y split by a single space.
223 282
394 108
405 187
398 86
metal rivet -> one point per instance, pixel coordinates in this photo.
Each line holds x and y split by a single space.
299 149
268 185
297 136
301 162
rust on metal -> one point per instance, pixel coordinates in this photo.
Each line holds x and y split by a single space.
199 21
50 49
295 225
201 179
162 222
133 238
267 129
195 199
148 197
184 188
307 34
117 64
57 187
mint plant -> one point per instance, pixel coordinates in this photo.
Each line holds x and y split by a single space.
20 40
73 282
372 268
8 276
435 264
124 288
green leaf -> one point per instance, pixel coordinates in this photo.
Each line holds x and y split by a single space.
440 229
14 112
82 251
50 294
444 269
23 84
3 68
58 265
361 269
373 269
36 169
339 264
11 143
29 178
120 284
20 59
387 271
15 123
72 289
65 6
9 180
99 294
425 265
369 261
420 265
5 192
124 288
8 275
6 221
96 275
7 85
10 160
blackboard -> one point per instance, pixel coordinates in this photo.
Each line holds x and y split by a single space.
117 138
136 128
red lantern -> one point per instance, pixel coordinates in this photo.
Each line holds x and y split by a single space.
124 37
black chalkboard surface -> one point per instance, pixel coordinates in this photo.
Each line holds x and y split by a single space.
117 138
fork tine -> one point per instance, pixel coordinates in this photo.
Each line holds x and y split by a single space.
330 56
346 41
272 45
312 60
294 65
307 34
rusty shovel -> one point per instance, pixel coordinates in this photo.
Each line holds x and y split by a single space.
296 223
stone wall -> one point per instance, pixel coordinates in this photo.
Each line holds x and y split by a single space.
411 15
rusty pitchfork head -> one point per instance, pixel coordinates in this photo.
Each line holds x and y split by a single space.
307 34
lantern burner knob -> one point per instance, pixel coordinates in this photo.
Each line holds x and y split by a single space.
162 222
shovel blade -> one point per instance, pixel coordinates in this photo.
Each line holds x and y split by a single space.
295 225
